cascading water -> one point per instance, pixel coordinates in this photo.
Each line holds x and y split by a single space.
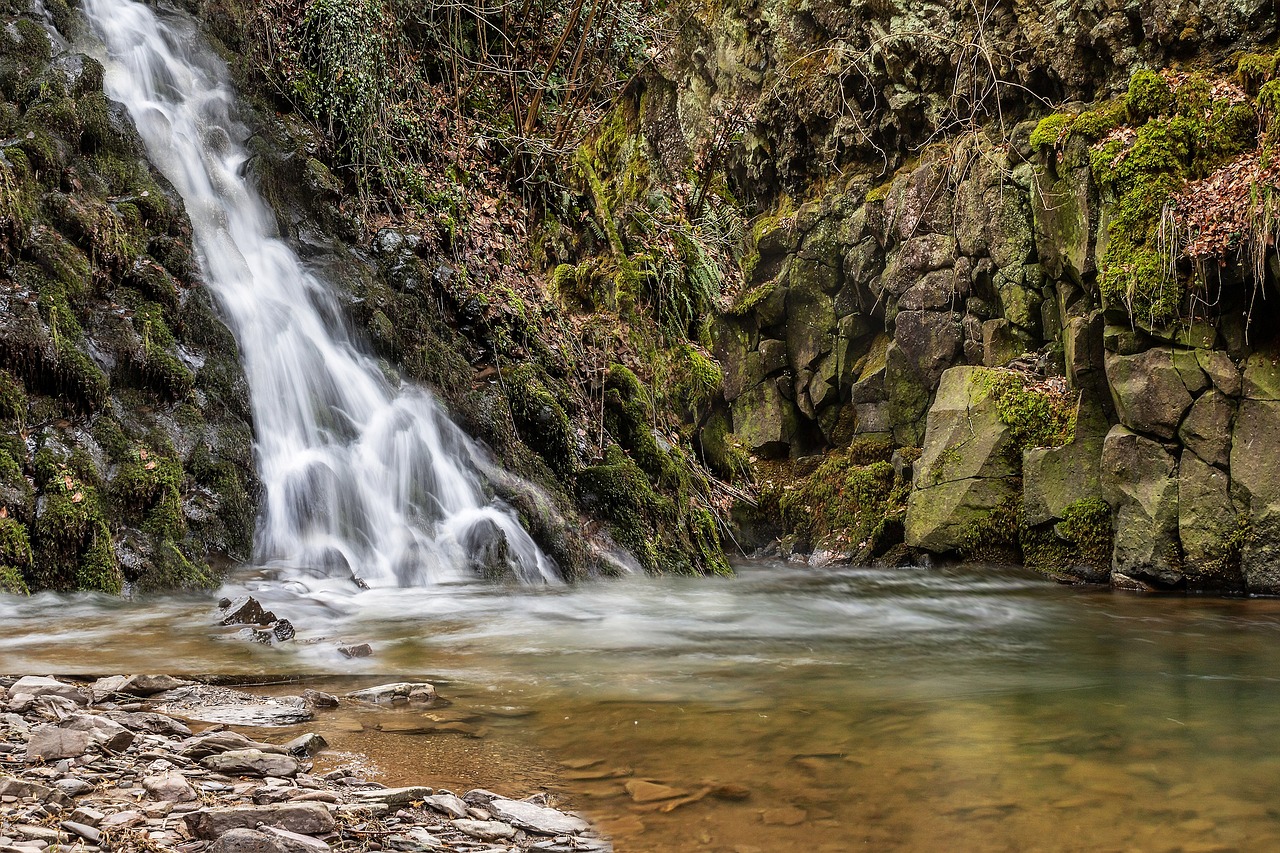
361 476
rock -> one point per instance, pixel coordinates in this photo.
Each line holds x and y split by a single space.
171 786
1054 478
448 804
304 818
1207 428
485 830
930 340
1148 392
965 469
1262 377
101 730
150 685
1255 443
104 688
651 792
535 818
88 816
396 693
35 685
363 650
22 789
145 721
320 699
246 841
123 820
764 420
251 762
308 744
50 743
216 742
480 797
88 833
73 787
1139 481
295 842
1221 370
246 611
394 796
1207 526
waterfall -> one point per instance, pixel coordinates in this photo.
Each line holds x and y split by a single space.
362 475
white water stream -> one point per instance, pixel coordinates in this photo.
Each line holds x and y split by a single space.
363 477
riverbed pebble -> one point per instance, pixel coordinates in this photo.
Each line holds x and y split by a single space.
79 773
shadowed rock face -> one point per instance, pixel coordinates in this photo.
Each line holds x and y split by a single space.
126 452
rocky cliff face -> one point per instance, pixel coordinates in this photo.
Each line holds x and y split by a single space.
1051 324
125 448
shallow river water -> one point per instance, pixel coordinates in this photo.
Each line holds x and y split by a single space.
900 709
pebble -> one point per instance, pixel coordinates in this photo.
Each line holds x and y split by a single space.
219 791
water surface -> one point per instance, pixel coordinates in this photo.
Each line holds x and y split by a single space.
903 709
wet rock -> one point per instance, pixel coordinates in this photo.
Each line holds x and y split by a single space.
251 762
308 744
221 705
363 650
283 630
397 693
485 830
304 818
246 611
1207 428
1139 481
651 792
217 742
479 796
320 699
534 818
967 466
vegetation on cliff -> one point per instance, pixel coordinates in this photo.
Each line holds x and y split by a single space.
125 458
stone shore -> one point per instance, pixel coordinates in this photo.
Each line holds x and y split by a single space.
124 763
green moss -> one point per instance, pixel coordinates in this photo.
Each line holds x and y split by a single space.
12 582
994 537
748 300
1050 131
13 399
1086 525
1255 69
691 377
721 451
15 546
539 418
619 492
1149 96
1098 122
1035 418
169 569
843 505
72 545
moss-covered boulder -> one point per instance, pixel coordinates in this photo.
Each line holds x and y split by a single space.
967 466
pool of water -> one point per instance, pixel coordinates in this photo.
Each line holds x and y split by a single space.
904 709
